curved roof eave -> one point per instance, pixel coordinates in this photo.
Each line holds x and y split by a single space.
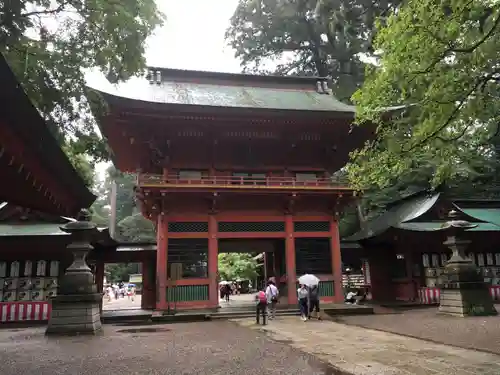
27 123
409 209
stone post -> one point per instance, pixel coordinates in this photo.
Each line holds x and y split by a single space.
75 310
463 290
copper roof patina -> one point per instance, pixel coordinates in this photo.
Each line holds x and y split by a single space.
401 215
182 87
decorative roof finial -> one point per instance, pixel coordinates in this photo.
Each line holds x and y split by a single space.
84 215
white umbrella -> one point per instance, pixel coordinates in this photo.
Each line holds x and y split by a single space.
308 279
223 282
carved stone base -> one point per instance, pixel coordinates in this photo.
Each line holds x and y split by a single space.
466 302
75 315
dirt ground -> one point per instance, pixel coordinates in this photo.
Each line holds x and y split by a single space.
193 348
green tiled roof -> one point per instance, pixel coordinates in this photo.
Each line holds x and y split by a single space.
409 209
229 90
249 97
490 215
20 230
402 214
436 226
235 96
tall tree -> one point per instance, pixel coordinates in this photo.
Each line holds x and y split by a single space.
439 59
51 44
136 228
233 266
125 199
119 272
131 226
307 37
81 164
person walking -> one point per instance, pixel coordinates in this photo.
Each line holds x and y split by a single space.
261 308
272 295
314 301
302 295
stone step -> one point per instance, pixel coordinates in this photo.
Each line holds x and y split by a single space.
229 313
249 314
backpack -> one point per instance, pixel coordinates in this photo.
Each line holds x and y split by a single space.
261 297
274 297
313 293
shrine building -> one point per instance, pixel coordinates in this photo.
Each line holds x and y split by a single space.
40 192
235 163
402 249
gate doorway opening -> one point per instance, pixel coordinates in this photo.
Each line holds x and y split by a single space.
122 286
244 267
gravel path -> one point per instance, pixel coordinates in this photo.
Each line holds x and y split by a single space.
481 333
192 348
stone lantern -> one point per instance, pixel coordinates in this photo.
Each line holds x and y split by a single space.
463 290
75 310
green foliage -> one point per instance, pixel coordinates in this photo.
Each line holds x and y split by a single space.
233 266
81 164
307 37
136 228
121 271
125 198
98 218
440 61
50 45
131 226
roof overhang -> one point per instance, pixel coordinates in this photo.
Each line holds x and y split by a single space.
35 161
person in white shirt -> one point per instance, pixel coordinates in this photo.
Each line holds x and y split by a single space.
302 295
272 295
351 297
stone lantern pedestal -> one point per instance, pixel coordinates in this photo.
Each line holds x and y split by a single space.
75 310
463 290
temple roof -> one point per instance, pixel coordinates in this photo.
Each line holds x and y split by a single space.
16 221
19 116
32 229
408 214
208 89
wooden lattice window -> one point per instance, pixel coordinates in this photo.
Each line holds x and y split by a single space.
312 226
267 226
313 255
192 254
188 227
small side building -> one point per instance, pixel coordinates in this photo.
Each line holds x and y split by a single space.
403 252
40 191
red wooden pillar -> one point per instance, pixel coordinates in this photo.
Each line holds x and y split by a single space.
213 262
161 262
266 265
290 260
336 261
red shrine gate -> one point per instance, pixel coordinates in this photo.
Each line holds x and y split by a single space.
223 157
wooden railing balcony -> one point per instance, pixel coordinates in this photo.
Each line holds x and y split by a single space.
160 181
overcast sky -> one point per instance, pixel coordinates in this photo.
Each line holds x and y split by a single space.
192 38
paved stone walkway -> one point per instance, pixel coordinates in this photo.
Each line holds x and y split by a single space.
363 351
211 348
471 333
